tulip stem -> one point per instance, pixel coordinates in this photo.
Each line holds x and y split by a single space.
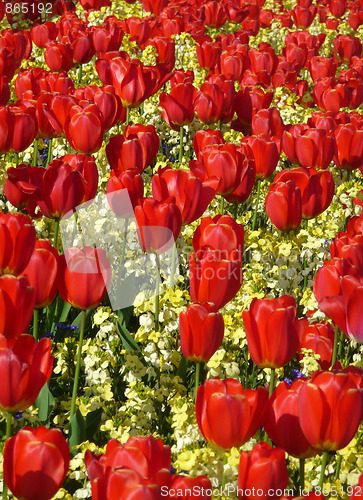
56 231
302 473
334 355
306 222
127 116
256 206
341 343
339 463
7 436
197 375
272 381
157 285
123 250
50 152
225 461
235 211
324 462
35 323
35 155
222 205
78 365
181 137
173 259
16 159
80 72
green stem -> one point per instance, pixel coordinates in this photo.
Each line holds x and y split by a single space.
225 460
123 250
127 116
235 211
35 323
271 387
7 436
197 375
256 206
80 72
302 473
334 355
181 137
35 155
50 152
222 205
324 462
16 159
157 285
306 222
339 463
56 231
341 344
173 262
78 365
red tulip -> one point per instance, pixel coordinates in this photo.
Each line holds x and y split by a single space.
61 107
262 470
348 147
208 54
223 234
107 37
18 129
265 153
214 279
4 90
82 46
247 181
227 414
147 135
58 56
268 122
17 240
7 63
178 105
36 462
303 16
41 273
192 196
118 201
250 99
84 129
62 191
314 148
349 249
319 337
263 59
328 278
317 189
232 64
267 349
42 34
23 185
355 225
208 103
283 205
214 14
138 29
165 48
17 304
183 485
201 332
126 153
87 167
204 138
347 46
282 423
107 102
321 67
158 223
228 93
330 410
330 95
84 276
154 6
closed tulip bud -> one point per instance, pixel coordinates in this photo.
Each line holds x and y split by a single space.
232 65
208 54
147 135
244 188
208 103
205 138
165 48
118 182
42 34
347 46
23 185
214 279
281 421
184 484
16 305
192 196
327 279
250 99
84 129
264 470
17 240
268 122
159 224
321 67
83 49
349 249
107 38
330 410
126 153
271 331
41 273
263 59
348 147
201 332
214 14
59 56
303 16
265 152
227 414
36 462
84 275
87 167
283 205
177 106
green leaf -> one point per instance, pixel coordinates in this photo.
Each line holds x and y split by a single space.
129 342
45 402
182 368
93 420
125 314
77 431
65 311
89 315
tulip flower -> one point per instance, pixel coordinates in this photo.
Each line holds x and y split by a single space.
319 337
177 106
23 185
250 99
41 273
192 196
348 147
227 414
271 331
303 16
329 410
317 189
265 152
17 240
84 129
349 249
208 54
205 138
264 470
322 67
42 34
263 59
58 56
268 122
25 367
154 6
283 205
107 37
214 279
281 421
36 462
247 181
314 148
232 64
347 46
87 167
165 51
330 95
327 282
208 103
184 484
116 184
223 234
201 332
355 225
147 135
